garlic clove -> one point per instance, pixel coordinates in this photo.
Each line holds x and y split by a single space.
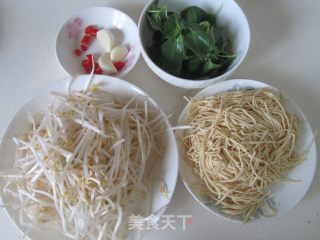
118 53
106 39
106 64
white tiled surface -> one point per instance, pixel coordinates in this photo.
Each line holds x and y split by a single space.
284 52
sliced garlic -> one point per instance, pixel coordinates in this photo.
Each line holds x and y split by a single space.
106 39
106 64
118 53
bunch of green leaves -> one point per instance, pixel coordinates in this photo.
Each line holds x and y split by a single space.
188 44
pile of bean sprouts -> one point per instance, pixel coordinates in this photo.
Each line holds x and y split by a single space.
83 165
238 144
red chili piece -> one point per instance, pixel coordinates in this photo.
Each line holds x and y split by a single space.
88 69
77 52
119 65
85 63
86 40
84 47
98 70
91 30
89 57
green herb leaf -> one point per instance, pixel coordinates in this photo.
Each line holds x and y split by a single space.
208 67
219 36
205 26
172 54
198 42
173 25
170 24
193 14
156 16
154 5
211 36
189 54
193 65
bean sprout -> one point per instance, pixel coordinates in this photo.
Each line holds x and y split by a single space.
84 164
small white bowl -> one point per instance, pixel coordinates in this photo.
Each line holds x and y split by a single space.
165 168
283 195
68 38
229 15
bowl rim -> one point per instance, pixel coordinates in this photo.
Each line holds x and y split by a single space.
185 81
63 83
56 44
313 148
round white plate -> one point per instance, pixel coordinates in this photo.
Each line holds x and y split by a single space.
285 195
164 170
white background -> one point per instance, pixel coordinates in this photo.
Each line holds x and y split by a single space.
284 52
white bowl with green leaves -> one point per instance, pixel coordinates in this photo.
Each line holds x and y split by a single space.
193 44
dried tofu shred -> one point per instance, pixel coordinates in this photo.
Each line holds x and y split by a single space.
238 144
83 165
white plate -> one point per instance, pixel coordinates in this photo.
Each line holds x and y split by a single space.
124 29
284 195
165 169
